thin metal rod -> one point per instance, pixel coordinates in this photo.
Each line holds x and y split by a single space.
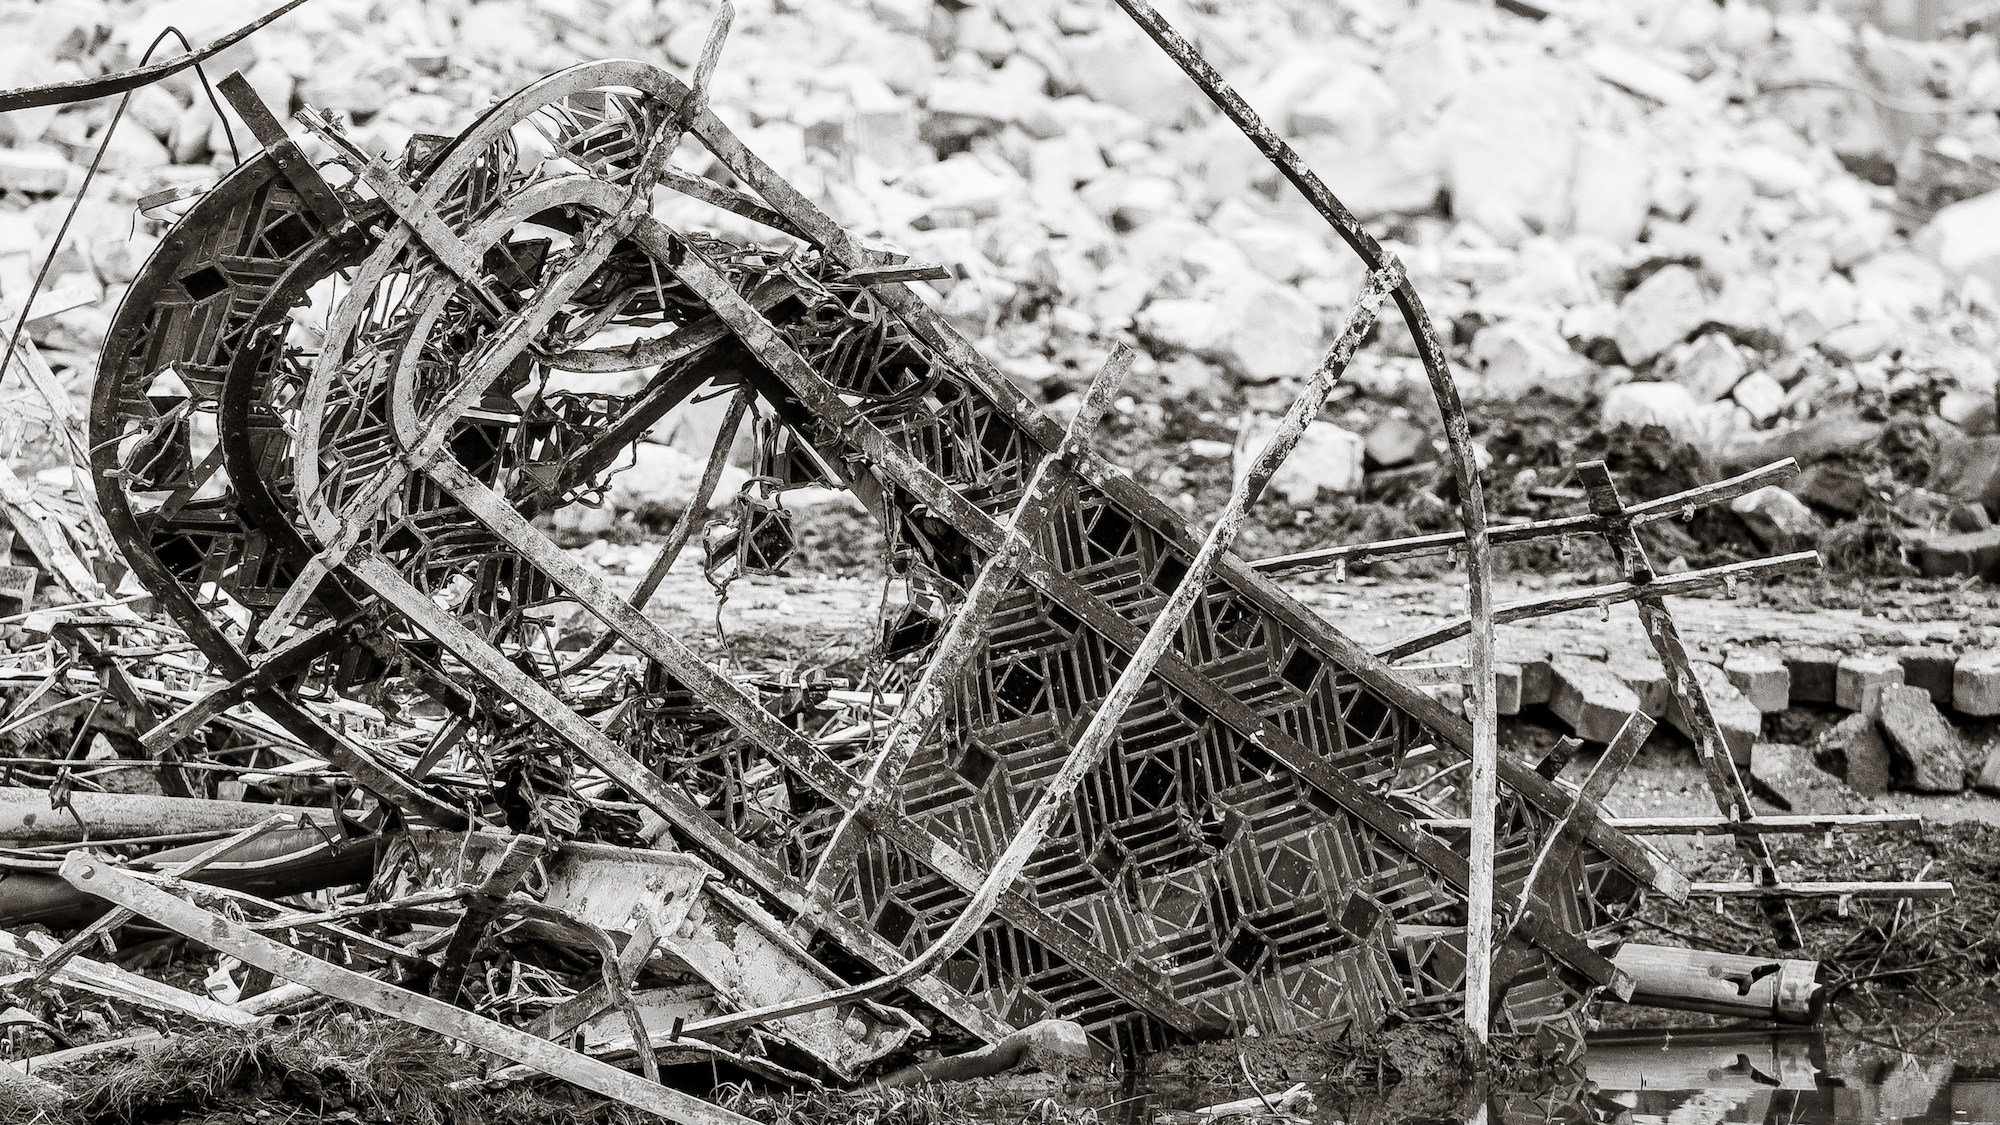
1593 597
1483 784
1666 507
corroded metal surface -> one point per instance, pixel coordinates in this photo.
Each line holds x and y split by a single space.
324 445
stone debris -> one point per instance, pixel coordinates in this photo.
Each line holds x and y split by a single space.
1590 697
1590 203
1930 669
1854 750
1762 679
1860 679
1975 684
1923 739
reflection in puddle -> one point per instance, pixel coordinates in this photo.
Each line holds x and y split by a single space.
1772 1077
1692 1077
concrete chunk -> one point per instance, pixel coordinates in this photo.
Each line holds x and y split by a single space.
1975 683
1860 679
1590 697
1538 680
1779 520
1975 553
1506 689
1988 780
1762 678
34 171
1853 750
1922 737
1665 309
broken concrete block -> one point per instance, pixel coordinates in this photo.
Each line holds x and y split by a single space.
1833 487
1538 680
1506 689
1517 358
1186 324
1747 310
1922 737
1988 780
1327 461
1762 678
1612 188
1934 512
1779 520
1975 683
1859 680
1665 309
1737 718
1395 441
1967 469
1646 676
1510 141
1964 238
1760 394
1711 367
1589 696
1116 67
1858 342
1853 749
1930 669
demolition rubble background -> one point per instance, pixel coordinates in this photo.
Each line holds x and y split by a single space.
1687 238
1768 235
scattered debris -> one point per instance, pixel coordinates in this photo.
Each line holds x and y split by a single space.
1102 786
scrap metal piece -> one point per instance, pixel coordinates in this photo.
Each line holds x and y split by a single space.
484 904
94 876
665 903
1483 780
1725 783
86 937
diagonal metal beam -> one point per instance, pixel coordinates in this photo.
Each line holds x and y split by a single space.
483 904
984 531
1088 753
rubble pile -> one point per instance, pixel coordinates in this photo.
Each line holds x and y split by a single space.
1767 234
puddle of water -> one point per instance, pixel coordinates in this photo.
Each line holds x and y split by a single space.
1779 1078
1691 1077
